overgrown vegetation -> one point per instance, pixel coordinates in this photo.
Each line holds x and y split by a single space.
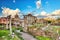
50 31
5 34
43 38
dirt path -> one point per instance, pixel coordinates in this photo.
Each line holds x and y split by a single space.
26 36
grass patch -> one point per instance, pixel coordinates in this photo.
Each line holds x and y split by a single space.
4 33
43 38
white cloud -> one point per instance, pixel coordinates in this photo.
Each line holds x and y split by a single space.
38 4
36 15
14 1
46 2
56 12
8 11
1 7
43 13
29 6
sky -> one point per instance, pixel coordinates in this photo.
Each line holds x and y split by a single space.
26 6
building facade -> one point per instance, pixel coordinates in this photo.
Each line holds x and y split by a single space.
14 21
4 20
29 20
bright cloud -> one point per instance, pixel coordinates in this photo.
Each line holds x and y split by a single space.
46 2
14 1
36 15
43 13
8 11
56 12
29 6
1 7
38 4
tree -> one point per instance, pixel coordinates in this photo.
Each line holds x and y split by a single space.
58 19
49 21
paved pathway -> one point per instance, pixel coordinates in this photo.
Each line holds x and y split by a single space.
26 36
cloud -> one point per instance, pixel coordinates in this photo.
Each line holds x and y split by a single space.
8 11
29 6
56 12
46 2
38 4
43 13
14 1
36 15
1 7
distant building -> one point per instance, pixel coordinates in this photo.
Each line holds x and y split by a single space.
15 21
22 22
29 20
41 21
4 20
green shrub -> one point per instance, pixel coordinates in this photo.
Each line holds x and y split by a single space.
43 38
13 29
20 28
4 33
